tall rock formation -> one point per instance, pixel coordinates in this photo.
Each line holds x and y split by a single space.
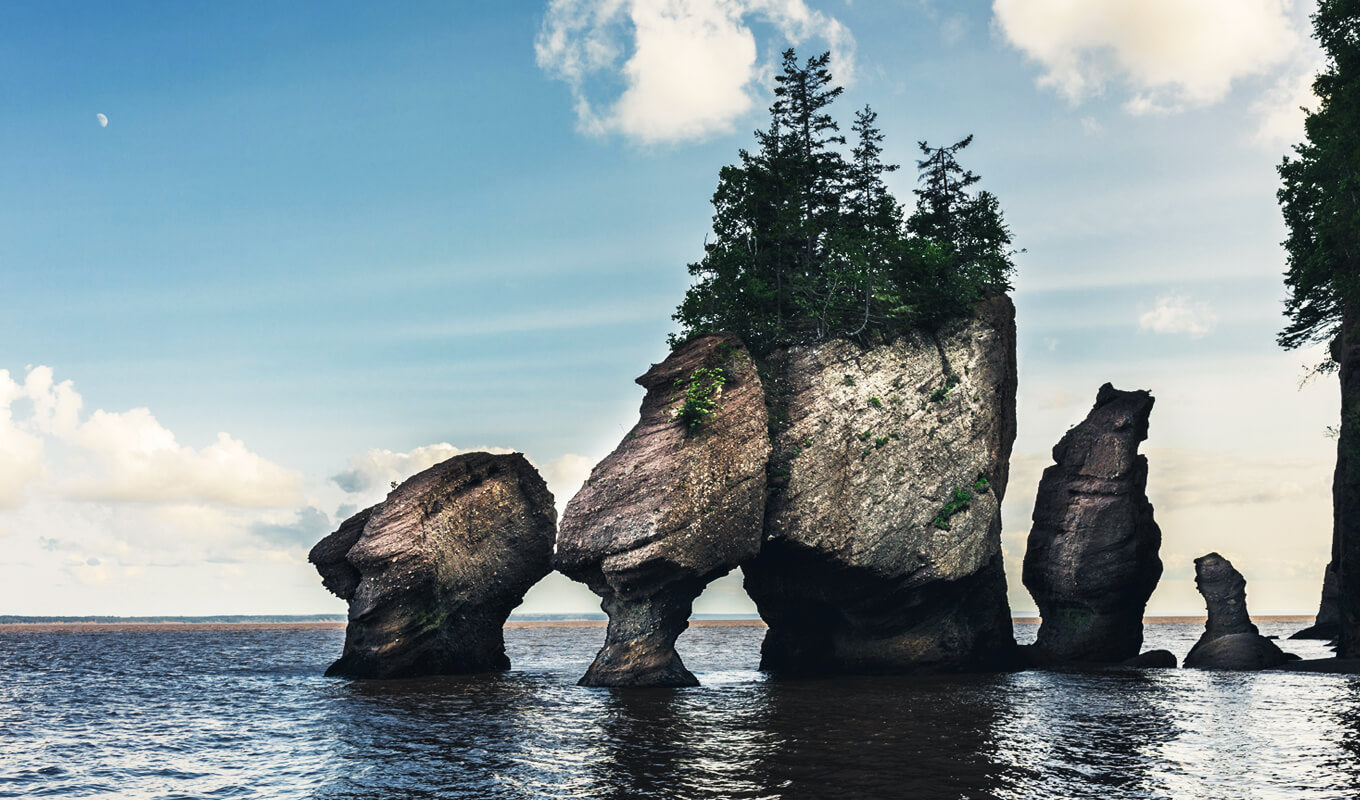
1346 489
1091 562
882 549
1230 639
678 504
1327 624
432 572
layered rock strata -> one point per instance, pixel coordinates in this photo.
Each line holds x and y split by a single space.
432 572
1230 639
1091 562
678 504
882 547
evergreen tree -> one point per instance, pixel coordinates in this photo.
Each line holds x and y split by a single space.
943 194
808 245
1320 197
870 234
1320 200
973 256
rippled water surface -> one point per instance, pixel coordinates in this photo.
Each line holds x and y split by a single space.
246 713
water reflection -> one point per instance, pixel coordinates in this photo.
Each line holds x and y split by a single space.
1083 734
248 715
878 737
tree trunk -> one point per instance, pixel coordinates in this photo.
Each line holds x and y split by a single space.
1346 485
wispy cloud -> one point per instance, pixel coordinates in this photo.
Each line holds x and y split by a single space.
376 469
1280 111
1178 314
1166 54
688 67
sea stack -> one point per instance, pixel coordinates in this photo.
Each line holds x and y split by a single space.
432 572
1091 562
882 549
678 504
1327 624
1230 640
1345 352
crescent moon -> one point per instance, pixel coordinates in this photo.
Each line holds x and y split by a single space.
103 120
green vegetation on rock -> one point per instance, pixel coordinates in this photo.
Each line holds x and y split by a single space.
808 243
700 393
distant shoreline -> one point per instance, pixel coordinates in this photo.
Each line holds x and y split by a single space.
245 624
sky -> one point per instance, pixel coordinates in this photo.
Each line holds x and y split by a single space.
259 259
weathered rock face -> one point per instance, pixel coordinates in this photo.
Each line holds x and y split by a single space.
1091 562
1327 625
1346 488
676 505
1230 639
432 572
882 550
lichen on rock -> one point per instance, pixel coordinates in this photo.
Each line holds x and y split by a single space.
882 544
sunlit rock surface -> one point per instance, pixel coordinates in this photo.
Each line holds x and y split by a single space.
674 507
432 572
882 549
1091 562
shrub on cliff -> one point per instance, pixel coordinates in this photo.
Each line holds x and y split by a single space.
809 244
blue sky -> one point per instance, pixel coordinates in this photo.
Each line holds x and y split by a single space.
319 246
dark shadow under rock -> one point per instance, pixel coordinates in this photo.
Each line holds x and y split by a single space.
1091 560
1230 640
678 504
432 572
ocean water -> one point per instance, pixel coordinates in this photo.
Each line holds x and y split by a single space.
246 713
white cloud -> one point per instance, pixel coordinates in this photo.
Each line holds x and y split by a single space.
1169 54
371 473
21 452
1178 314
1280 111
378 468
564 477
121 456
691 64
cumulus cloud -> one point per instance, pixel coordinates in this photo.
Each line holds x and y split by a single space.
122 456
688 67
1178 314
378 468
1168 54
21 452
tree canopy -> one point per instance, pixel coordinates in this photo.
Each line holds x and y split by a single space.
1320 195
809 243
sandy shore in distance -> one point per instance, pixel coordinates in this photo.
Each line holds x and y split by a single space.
101 627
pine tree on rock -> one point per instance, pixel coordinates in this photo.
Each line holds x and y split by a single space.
809 245
1320 201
